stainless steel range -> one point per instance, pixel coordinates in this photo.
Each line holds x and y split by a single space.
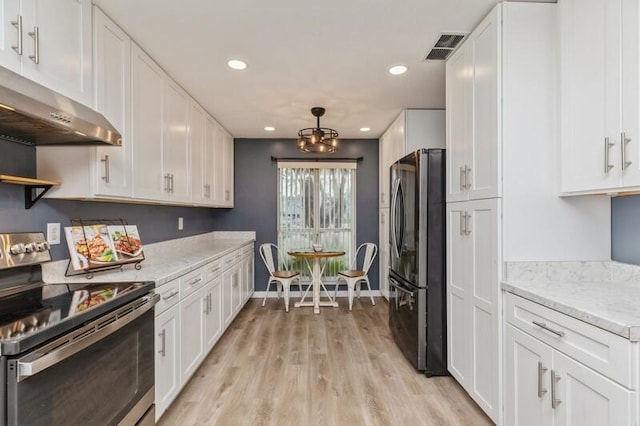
72 355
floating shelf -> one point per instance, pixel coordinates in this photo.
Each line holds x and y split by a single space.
31 187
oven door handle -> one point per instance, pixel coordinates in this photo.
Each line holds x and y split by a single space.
395 285
68 345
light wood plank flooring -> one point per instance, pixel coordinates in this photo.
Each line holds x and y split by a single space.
297 368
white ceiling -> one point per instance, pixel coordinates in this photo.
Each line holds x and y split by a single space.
301 53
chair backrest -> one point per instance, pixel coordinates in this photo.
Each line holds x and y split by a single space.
370 251
266 253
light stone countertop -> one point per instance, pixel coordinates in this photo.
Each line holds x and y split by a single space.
164 261
605 294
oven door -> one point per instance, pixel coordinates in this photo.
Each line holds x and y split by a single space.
101 373
407 320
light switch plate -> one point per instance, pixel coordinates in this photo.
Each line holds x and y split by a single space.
180 224
53 233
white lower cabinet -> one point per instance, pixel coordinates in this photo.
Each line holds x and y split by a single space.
192 342
213 313
167 358
544 386
193 312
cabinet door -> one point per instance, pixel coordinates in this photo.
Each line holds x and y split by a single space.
483 178
146 126
227 296
236 289
167 378
63 44
458 294
589 399
10 57
213 318
227 141
483 232
175 143
247 279
199 159
112 70
192 310
590 68
459 93
218 161
630 159
527 380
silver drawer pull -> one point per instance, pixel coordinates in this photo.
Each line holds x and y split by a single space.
216 269
170 295
18 24
549 329
195 281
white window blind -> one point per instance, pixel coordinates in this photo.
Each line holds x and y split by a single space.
316 204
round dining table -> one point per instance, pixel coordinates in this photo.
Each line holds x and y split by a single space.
316 270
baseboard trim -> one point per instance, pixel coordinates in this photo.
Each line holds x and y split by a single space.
298 294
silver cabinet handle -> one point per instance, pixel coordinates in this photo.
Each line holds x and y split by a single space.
35 34
467 179
171 180
195 281
105 160
607 146
163 348
166 182
463 223
170 295
549 329
227 195
624 140
209 301
18 24
541 370
555 378
463 178
467 223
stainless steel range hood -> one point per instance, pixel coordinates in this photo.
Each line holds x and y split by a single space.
32 114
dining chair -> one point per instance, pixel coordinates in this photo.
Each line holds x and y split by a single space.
354 276
283 278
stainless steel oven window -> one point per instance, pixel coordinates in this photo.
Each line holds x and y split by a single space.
98 385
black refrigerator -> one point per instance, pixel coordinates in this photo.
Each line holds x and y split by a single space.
417 261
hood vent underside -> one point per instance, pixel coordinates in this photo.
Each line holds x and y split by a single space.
447 43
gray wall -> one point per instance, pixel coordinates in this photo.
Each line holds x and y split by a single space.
155 223
625 229
256 193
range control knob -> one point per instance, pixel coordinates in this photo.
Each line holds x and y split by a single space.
43 246
16 249
30 247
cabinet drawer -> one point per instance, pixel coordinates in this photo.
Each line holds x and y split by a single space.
169 296
232 258
605 352
213 269
191 282
247 250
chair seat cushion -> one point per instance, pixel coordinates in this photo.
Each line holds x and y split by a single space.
285 274
352 273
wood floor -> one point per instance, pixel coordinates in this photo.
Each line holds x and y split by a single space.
297 368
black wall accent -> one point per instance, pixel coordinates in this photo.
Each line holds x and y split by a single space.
155 223
256 193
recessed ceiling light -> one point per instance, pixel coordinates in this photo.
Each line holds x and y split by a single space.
237 64
397 70
364 129
269 128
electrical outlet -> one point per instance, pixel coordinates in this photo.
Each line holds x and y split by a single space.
53 233
180 224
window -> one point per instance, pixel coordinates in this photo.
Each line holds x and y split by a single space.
316 204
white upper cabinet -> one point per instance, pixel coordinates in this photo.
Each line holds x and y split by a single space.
599 124
227 162
200 186
112 68
175 142
49 42
99 171
147 82
473 114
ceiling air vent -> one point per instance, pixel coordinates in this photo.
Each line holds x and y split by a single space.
445 46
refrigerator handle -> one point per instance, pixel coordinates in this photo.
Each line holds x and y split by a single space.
401 221
393 222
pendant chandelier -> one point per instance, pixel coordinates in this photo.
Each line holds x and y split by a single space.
318 139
